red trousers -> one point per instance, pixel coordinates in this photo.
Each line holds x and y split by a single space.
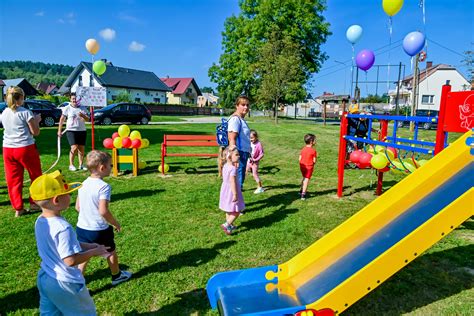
16 160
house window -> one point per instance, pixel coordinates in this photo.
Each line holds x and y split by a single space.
128 91
114 97
91 81
157 100
80 81
147 92
427 99
137 99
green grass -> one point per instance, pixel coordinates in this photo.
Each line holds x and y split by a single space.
172 242
166 118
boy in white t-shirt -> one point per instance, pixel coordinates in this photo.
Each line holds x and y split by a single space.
94 215
60 283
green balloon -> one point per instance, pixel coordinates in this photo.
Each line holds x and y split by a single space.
99 67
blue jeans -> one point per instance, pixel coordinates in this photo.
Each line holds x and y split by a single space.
244 156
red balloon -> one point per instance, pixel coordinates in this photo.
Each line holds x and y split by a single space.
355 156
108 143
394 151
126 142
136 143
364 160
115 135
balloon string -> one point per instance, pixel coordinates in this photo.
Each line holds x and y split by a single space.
352 66
389 49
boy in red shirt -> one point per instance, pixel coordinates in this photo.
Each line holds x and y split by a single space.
307 160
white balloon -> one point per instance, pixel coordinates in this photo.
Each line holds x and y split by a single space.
354 33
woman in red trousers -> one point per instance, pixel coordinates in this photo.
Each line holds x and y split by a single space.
19 148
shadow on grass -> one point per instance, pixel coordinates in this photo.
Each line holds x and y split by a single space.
266 221
190 258
135 194
428 279
268 170
468 225
189 303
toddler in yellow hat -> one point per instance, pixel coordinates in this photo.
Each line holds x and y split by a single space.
60 283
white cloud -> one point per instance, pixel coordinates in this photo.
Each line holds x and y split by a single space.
39 13
108 34
68 18
129 18
136 47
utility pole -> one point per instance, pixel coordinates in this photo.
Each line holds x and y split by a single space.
398 89
414 103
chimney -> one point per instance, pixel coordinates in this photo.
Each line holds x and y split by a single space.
429 64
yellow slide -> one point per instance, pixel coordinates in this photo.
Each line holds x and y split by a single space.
364 251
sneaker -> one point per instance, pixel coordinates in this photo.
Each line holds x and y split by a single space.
232 228
226 228
82 167
259 190
124 276
72 168
303 196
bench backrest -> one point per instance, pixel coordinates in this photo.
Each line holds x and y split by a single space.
190 140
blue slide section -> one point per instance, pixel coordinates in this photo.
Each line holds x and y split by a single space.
243 292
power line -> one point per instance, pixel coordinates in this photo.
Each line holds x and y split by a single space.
449 49
375 50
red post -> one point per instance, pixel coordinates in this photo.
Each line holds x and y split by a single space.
382 136
341 161
163 153
92 128
440 135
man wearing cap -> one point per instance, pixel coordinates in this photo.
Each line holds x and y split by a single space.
60 283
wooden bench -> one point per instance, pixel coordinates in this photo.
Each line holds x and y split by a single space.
186 141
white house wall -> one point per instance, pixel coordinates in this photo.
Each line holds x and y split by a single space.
432 86
137 95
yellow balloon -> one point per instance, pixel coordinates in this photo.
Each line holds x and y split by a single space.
145 143
391 7
135 135
118 142
167 168
92 46
141 164
379 161
124 130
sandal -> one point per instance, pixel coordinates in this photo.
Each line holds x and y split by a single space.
34 207
20 213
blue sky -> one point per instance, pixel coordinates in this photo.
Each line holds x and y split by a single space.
182 38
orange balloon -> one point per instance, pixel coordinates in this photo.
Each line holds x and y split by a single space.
92 46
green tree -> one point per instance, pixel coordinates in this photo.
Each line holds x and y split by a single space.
207 90
245 34
468 61
280 80
123 96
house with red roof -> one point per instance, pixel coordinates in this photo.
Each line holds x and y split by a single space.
183 90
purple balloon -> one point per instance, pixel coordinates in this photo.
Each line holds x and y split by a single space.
413 43
365 59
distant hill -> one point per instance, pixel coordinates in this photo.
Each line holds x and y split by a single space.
35 72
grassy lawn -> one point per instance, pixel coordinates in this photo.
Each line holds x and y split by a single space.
165 118
172 242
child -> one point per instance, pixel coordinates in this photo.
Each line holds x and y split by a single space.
94 215
255 156
231 199
60 283
307 160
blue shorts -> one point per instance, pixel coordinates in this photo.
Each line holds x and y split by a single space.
63 298
102 237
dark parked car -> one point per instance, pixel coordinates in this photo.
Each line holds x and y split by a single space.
426 125
123 113
50 115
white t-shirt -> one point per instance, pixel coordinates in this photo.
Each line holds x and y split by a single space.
238 125
16 132
92 191
74 121
56 240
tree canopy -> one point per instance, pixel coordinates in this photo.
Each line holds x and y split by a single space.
35 72
300 22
